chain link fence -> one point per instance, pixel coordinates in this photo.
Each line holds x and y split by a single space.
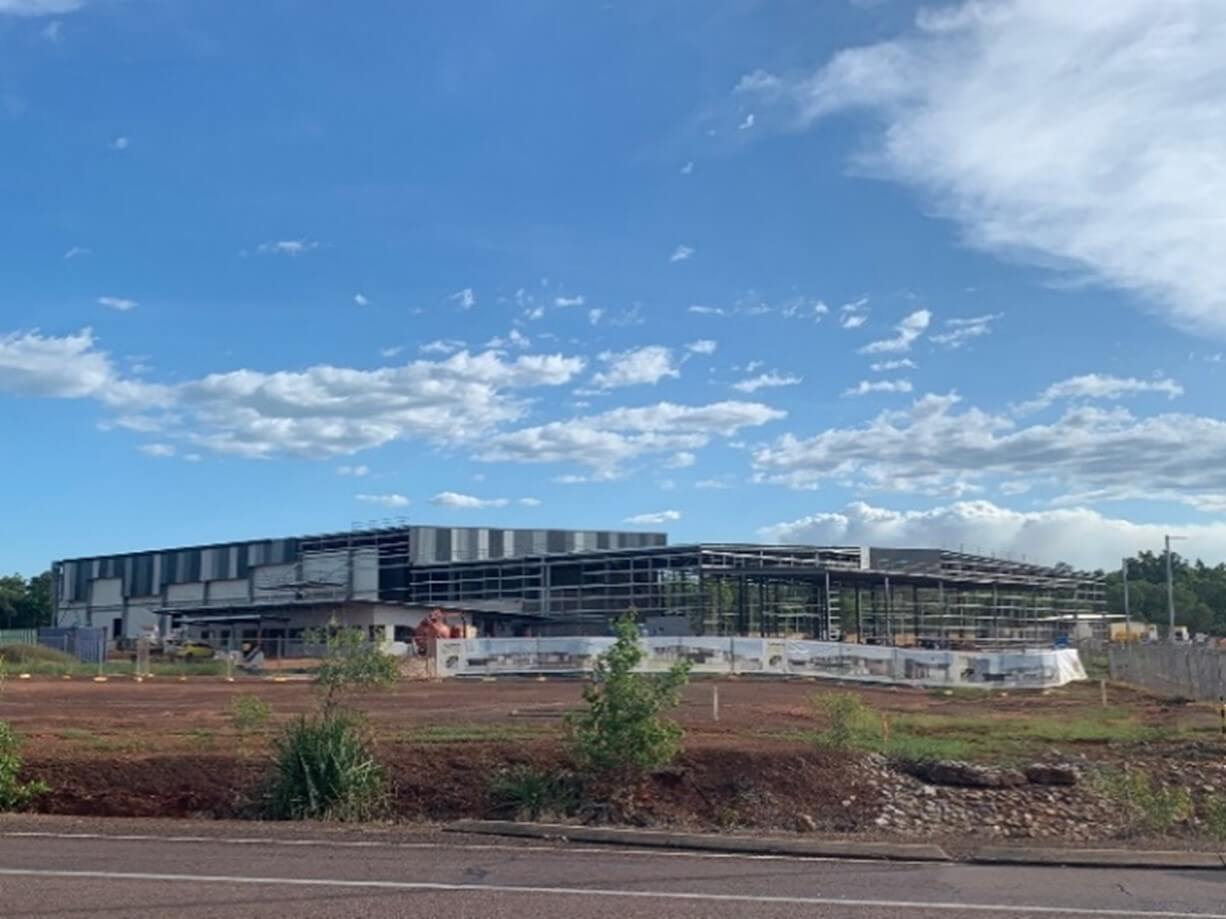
1178 670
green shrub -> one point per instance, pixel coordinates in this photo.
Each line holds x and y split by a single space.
525 792
1151 807
622 731
325 770
14 794
248 713
351 662
848 720
1213 813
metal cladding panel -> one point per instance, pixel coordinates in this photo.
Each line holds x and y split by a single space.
106 592
228 590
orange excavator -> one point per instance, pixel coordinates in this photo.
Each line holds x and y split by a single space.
434 627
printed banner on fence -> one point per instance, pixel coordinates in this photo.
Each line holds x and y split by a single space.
781 657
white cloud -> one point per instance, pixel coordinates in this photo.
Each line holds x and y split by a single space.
959 331
864 387
360 299
907 331
855 314
646 365
687 168
77 252
330 411
594 315
607 441
904 363
386 500
51 31
119 143
356 472
747 123
71 367
122 304
569 301
39 7
529 502
466 502
766 381
390 351
715 484
681 253
653 519
800 308
933 448
466 298
289 247
441 346
682 459
702 346
159 451
1079 536
1086 135
513 339
1101 386
700 310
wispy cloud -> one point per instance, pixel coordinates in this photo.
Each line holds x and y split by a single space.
360 299
33 8
77 252
865 387
291 247
766 381
653 519
119 144
702 346
158 451
466 299
356 472
687 168
1100 386
577 300
907 331
960 331
855 314
122 304
385 500
455 499
681 253
902 363
645 365
442 346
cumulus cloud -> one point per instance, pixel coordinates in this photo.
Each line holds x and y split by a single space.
70 367
607 441
865 387
564 302
933 447
1079 536
455 499
653 519
681 253
682 459
386 500
442 346
1086 135
648 364
907 331
289 247
158 451
769 380
121 304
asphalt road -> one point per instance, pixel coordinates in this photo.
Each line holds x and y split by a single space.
50 870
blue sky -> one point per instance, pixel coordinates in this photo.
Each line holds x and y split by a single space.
843 272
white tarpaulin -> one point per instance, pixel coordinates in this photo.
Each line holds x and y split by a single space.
782 657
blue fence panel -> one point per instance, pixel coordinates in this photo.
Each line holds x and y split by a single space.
88 645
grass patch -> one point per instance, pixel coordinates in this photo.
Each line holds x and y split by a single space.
1150 807
528 793
326 770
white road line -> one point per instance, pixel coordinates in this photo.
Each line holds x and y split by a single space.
1008 909
527 846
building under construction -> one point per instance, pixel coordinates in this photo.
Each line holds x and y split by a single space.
555 582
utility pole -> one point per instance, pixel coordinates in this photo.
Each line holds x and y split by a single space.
1127 608
1170 590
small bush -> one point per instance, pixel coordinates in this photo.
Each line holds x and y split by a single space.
1151 808
1213 814
351 663
325 770
848 720
623 732
525 792
14 794
248 713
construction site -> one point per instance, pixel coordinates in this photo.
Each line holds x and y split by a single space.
514 583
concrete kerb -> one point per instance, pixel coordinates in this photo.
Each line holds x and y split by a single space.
744 845
849 849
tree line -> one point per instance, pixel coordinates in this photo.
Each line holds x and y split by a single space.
1200 592
25 604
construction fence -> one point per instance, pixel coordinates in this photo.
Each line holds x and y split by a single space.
769 657
1193 671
